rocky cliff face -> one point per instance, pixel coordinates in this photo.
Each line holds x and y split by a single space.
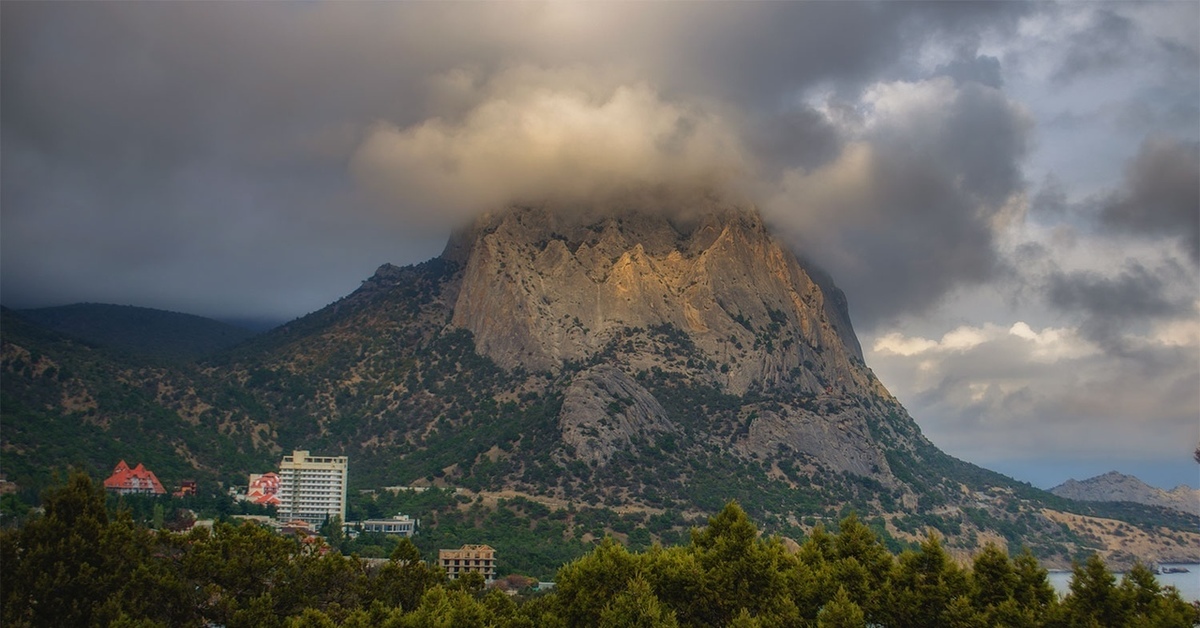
543 289
1117 487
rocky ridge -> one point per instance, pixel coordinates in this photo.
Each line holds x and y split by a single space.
1118 487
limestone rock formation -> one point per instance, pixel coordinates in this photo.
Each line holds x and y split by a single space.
604 410
542 289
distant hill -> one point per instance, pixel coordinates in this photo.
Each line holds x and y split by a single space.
1118 487
139 330
68 403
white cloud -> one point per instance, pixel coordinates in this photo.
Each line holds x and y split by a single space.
998 392
539 136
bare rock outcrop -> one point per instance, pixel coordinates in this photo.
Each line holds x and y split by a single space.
604 410
543 287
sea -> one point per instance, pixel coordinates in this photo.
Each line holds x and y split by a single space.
1187 583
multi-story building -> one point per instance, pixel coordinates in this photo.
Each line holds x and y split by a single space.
480 558
312 488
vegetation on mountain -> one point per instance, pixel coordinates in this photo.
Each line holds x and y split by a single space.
66 403
82 564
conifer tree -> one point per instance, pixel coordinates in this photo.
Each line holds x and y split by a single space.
841 612
636 607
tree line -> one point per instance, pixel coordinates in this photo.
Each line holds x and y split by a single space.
81 564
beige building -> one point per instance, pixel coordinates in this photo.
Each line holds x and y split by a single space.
312 488
480 558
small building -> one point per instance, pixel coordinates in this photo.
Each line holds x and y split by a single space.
402 525
477 558
263 489
297 527
136 481
186 488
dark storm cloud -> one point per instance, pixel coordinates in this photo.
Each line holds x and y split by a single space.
154 151
910 210
1161 194
1112 306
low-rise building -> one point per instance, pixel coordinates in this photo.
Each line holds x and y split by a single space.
477 558
138 480
402 525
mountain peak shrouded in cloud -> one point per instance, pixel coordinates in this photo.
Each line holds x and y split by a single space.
258 160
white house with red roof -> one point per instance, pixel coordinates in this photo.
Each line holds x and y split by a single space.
138 480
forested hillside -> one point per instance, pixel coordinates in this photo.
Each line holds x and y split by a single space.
83 565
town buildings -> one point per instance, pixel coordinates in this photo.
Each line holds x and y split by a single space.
477 558
138 480
312 488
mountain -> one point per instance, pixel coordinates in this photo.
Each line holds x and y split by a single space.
1117 487
140 330
657 363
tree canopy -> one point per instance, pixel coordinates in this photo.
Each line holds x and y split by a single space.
80 564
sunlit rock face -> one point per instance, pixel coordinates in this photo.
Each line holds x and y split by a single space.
543 287
709 295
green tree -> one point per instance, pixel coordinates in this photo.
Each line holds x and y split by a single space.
1149 605
841 612
333 533
405 578
636 607
742 570
471 583
924 586
678 581
584 587
1094 599
1034 595
237 567
993 578
56 573
442 608
862 565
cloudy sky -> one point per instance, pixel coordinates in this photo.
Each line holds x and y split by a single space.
1009 193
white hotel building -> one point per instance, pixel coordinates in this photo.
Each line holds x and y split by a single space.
312 488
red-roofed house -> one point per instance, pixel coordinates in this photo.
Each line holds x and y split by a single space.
136 480
263 489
